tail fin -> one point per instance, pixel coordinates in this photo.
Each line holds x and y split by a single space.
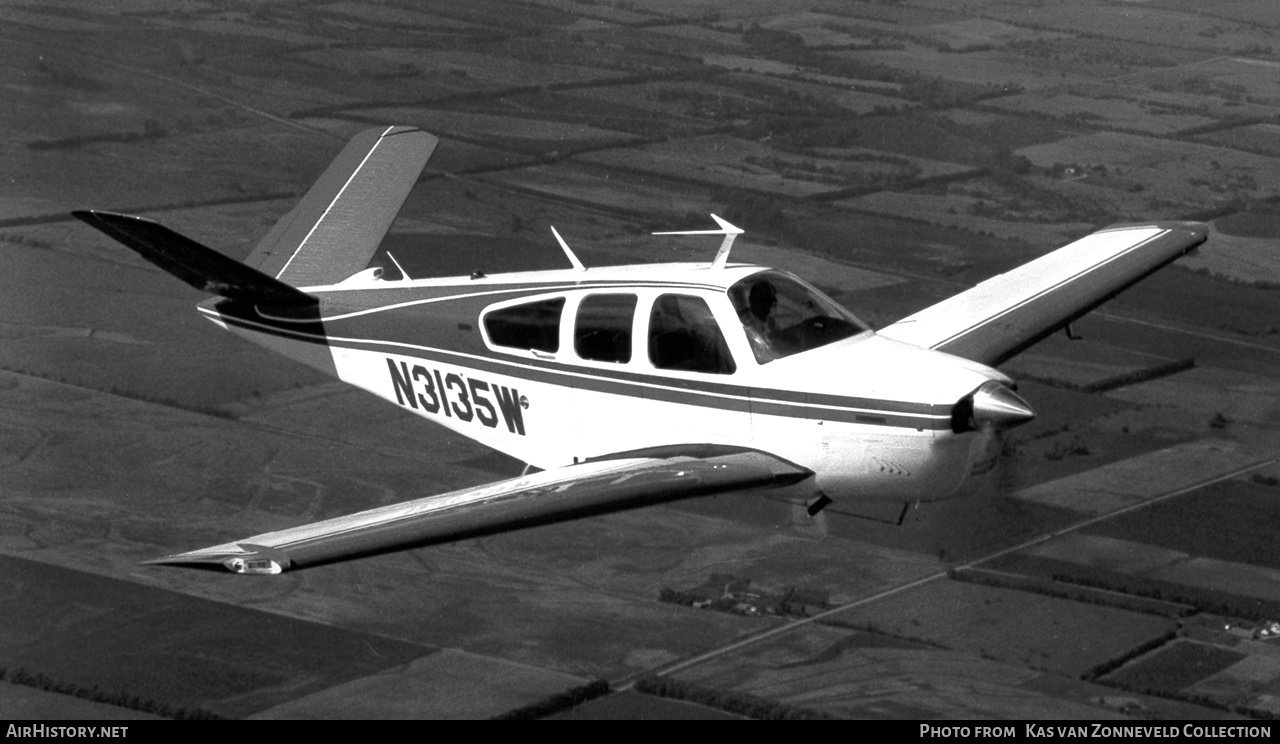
201 267
330 235
336 228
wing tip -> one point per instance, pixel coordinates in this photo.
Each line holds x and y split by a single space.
399 129
1194 229
240 558
97 217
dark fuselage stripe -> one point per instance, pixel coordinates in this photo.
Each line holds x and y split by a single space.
722 396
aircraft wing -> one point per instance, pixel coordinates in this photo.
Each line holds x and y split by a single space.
336 228
1009 312
592 487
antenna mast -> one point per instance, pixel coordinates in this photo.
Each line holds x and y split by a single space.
729 232
577 265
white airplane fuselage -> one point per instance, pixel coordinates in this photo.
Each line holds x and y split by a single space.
631 385
872 418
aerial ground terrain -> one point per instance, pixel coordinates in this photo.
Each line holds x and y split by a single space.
1114 562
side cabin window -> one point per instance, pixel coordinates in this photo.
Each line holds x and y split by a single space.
533 325
684 335
602 331
782 315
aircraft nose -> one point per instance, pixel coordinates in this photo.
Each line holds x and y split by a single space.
994 405
997 406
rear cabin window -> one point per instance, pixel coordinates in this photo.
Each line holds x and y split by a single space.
683 335
533 325
602 332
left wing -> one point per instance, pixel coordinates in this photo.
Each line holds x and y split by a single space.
1008 313
593 487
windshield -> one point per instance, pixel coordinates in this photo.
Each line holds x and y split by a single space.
782 315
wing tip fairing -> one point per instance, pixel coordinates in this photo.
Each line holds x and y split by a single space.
242 558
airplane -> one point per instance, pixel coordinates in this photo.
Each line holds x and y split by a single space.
625 386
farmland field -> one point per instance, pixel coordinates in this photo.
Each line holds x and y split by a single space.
510 131
1097 18
1015 627
1261 138
955 210
737 163
891 154
1119 114
990 70
1211 523
596 186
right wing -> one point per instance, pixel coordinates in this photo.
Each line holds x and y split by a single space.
336 228
593 487
1008 313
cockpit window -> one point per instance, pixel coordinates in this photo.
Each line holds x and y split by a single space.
602 332
783 316
532 325
683 335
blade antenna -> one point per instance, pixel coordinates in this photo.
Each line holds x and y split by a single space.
403 273
730 233
577 265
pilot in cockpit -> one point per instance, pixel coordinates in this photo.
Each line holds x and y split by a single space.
758 318
781 316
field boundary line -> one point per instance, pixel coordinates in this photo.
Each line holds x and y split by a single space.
626 683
